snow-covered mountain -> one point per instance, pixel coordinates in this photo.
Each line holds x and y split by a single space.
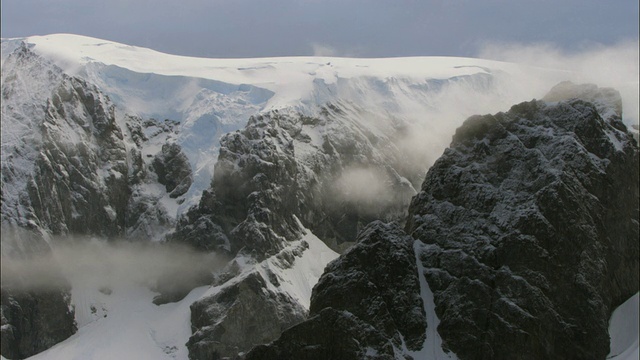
276 164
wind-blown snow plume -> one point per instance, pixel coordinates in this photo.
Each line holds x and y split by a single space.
92 261
613 66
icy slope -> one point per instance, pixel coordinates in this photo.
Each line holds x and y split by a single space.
623 329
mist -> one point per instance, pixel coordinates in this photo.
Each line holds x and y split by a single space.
91 262
536 69
613 66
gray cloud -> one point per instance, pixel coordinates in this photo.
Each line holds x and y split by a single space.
90 262
615 66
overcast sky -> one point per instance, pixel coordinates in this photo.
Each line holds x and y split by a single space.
374 28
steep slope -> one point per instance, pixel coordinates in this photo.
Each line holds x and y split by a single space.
526 231
210 97
69 162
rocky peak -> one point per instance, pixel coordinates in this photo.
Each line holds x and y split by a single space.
607 100
533 217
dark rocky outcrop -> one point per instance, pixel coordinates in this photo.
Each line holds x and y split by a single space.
533 214
247 314
31 319
367 304
81 182
173 170
253 195
377 281
34 321
527 231
285 164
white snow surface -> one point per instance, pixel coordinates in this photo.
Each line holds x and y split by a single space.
623 330
126 325
432 347
290 78
298 281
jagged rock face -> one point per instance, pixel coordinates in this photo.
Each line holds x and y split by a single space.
34 321
27 81
331 334
173 170
377 281
366 305
533 219
253 195
67 165
145 217
81 182
248 314
352 172
285 164
280 171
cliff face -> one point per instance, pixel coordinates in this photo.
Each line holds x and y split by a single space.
527 233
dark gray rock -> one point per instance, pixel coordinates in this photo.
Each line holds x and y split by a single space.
271 177
377 281
330 334
533 216
273 170
242 315
32 322
367 304
253 196
173 170
81 180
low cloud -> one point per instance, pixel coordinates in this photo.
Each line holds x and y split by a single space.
323 50
613 66
365 186
92 262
